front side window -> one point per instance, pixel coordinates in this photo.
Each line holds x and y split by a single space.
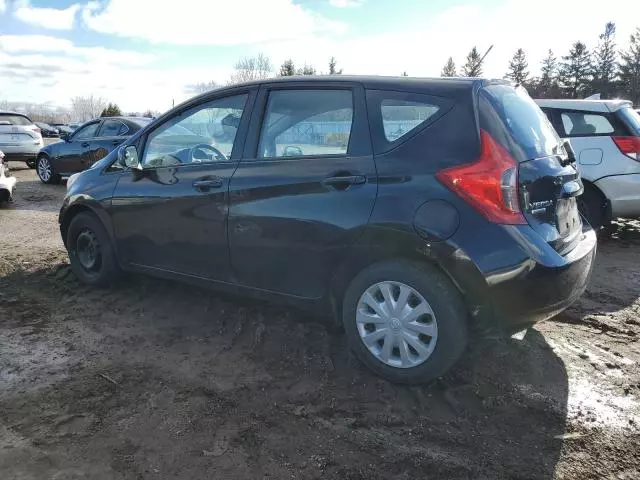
306 123
87 132
204 134
585 124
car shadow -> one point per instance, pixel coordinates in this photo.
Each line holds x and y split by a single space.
283 387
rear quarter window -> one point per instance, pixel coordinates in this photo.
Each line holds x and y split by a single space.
397 116
631 119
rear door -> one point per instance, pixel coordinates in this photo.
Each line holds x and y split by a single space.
549 183
73 154
304 189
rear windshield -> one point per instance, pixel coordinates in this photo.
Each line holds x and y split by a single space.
143 122
12 119
631 119
512 118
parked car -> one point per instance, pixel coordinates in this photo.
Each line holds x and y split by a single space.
7 182
469 218
605 135
20 138
63 128
85 146
47 130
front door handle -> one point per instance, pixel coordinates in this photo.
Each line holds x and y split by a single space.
343 182
207 183
85 144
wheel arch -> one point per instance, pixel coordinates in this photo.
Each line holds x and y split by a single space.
408 247
83 206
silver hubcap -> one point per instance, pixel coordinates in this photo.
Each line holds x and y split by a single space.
44 169
396 324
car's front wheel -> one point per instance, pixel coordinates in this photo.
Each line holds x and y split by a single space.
90 251
406 322
46 172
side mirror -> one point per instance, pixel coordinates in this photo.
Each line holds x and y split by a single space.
64 136
291 151
571 154
128 157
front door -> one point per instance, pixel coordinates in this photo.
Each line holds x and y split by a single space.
73 153
171 215
304 189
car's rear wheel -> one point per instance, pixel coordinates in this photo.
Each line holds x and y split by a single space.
46 172
592 206
90 251
406 322
31 163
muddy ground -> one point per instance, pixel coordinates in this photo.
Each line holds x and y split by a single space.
159 380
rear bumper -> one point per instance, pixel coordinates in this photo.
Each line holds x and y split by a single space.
21 152
534 282
623 192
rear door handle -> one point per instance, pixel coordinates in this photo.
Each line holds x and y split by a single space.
208 183
345 181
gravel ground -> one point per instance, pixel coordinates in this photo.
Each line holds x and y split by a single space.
154 379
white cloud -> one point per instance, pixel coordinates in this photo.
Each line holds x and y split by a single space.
346 3
48 44
215 22
3 6
52 18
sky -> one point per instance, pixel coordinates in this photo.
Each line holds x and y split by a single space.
147 54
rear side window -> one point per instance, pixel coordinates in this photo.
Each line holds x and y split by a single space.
513 119
306 123
631 119
11 119
399 117
580 124
112 128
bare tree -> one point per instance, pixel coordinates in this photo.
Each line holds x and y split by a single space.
203 87
84 109
252 68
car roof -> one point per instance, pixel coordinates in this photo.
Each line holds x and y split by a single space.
9 112
586 105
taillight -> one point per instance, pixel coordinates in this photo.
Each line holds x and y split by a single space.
630 146
36 130
490 185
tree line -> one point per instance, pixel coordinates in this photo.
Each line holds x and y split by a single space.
608 70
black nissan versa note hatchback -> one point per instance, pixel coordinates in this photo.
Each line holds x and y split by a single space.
411 209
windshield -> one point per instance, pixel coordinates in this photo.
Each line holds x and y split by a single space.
631 119
513 119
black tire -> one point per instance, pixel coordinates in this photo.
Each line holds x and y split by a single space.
42 164
85 227
592 206
31 163
446 304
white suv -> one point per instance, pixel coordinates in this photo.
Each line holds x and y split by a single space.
20 139
605 136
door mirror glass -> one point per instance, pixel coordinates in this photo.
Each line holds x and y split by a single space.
128 157
64 136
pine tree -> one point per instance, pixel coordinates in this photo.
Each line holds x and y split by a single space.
287 69
604 69
115 111
630 69
449 69
518 65
105 111
473 67
576 70
306 70
547 86
405 74
332 67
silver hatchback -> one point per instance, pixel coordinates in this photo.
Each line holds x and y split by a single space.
20 139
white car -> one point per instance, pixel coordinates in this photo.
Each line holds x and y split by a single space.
605 136
7 183
20 138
